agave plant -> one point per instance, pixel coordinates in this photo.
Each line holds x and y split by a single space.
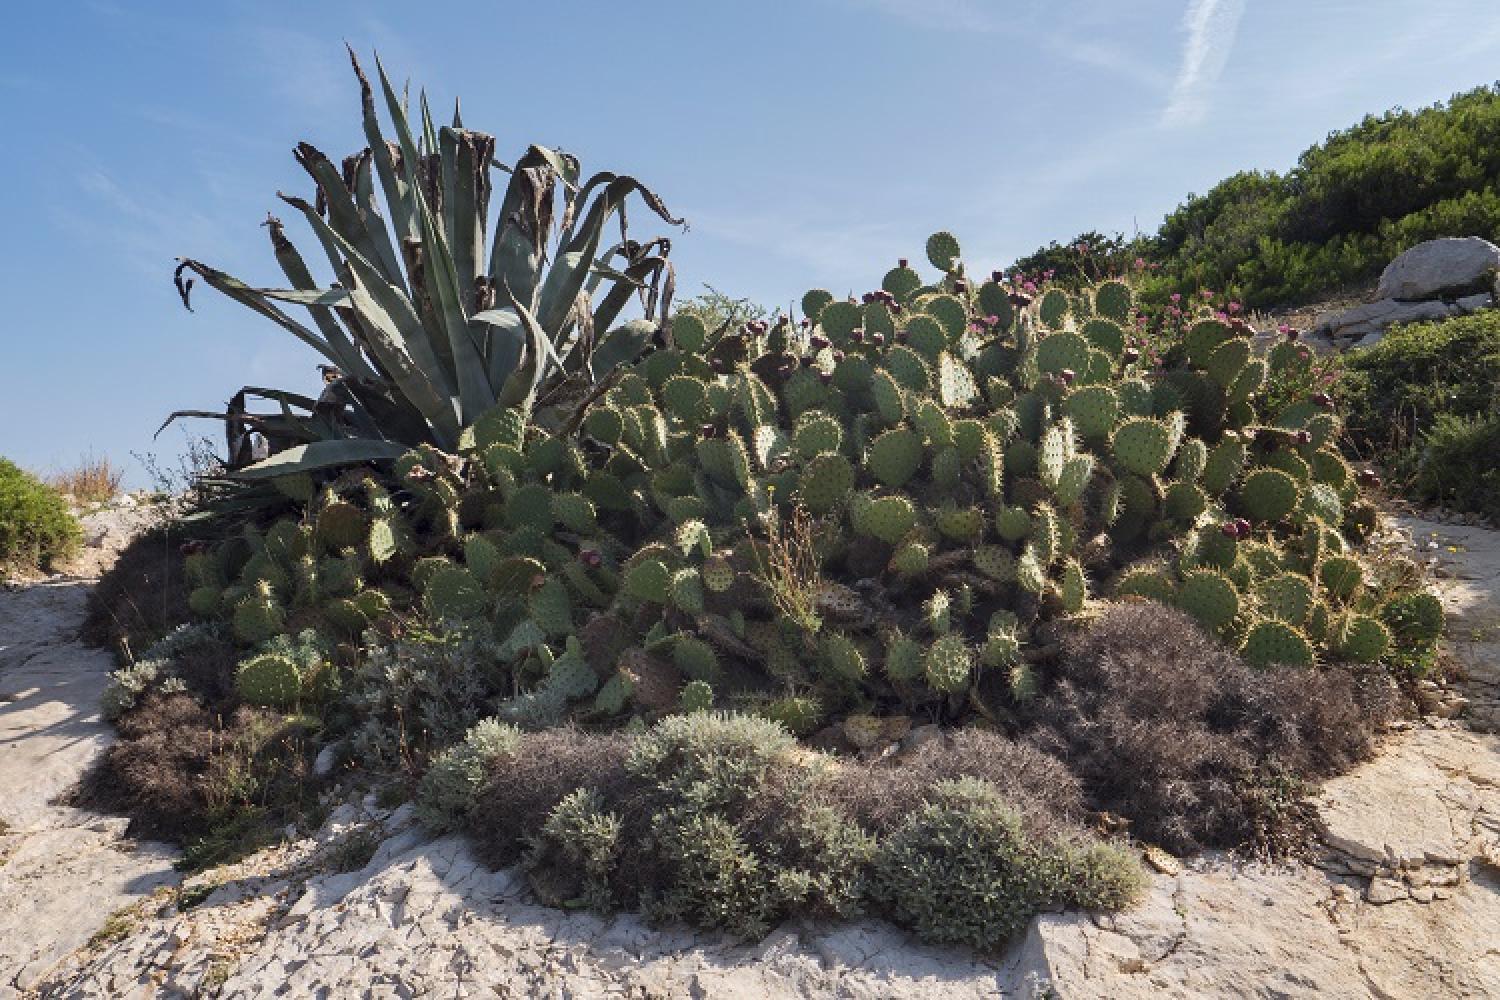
424 331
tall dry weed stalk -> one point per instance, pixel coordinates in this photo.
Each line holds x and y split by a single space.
95 479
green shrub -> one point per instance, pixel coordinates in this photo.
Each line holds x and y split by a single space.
1455 464
961 870
36 528
1425 402
449 788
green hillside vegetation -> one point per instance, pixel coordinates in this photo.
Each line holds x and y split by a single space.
1351 203
1426 402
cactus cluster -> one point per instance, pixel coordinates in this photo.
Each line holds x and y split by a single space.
874 508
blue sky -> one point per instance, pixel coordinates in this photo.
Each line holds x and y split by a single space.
809 143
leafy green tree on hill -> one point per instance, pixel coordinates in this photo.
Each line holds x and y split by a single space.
1351 203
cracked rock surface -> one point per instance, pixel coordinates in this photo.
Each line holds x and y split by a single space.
62 871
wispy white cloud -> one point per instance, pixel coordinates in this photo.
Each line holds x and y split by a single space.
1072 34
1211 26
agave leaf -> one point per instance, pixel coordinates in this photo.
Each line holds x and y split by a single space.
351 361
392 415
344 216
521 389
448 171
475 392
568 272
242 293
363 187
438 408
607 180
282 396
397 198
309 297
466 204
522 227
429 132
399 316
505 342
621 346
322 455
615 300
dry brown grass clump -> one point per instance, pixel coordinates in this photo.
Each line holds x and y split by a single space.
525 788
141 598
1039 787
95 479
185 773
1166 726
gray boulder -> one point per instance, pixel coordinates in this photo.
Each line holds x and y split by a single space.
1438 268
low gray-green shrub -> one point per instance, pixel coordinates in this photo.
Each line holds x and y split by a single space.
962 871
409 700
448 789
724 821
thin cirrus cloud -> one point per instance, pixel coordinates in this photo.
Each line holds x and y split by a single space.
1211 26
1075 34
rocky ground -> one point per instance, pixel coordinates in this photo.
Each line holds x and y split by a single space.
1403 902
62 872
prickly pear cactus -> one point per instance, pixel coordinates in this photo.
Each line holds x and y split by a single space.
872 506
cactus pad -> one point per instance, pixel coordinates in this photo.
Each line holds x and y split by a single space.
1268 495
1363 639
942 251
1209 597
1275 642
270 680
1142 445
1341 576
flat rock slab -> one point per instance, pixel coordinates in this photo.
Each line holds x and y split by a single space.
1223 931
425 919
1428 799
1372 319
63 871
